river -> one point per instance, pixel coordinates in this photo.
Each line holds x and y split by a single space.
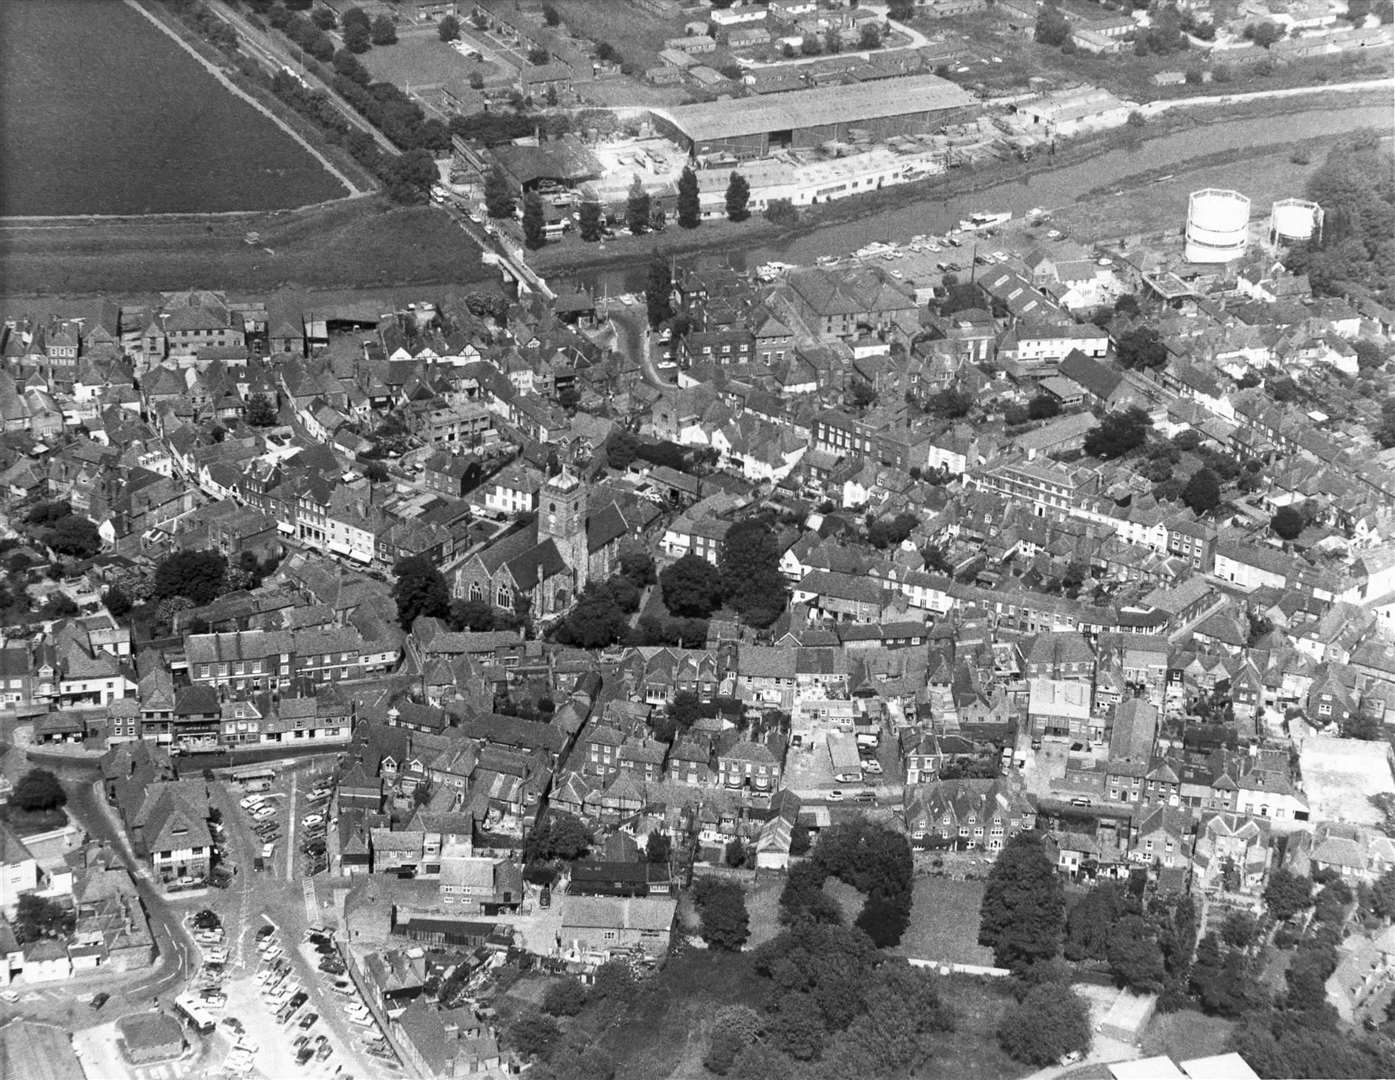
1049 188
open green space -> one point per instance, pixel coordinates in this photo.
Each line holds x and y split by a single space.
101 113
424 60
1186 1035
354 244
944 922
638 35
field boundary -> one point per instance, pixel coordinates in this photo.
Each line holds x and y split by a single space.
353 189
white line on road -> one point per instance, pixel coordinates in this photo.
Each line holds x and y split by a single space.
290 829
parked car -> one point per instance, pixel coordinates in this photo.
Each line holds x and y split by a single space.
99 1000
835 796
308 1021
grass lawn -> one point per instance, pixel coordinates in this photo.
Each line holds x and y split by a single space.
636 34
971 1051
424 60
87 129
763 907
29 822
358 243
1186 1035
944 922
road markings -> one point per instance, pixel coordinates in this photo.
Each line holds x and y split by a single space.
312 905
290 829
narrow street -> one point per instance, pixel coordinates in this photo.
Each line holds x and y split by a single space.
178 955
636 343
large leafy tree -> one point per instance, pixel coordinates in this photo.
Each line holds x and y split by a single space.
75 535
1203 491
1050 1022
1141 347
198 575
38 790
420 590
590 221
1022 917
751 578
1134 955
658 293
261 411
689 202
1287 893
1118 433
1287 523
721 907
692 587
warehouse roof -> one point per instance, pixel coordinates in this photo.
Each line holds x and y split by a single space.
810 108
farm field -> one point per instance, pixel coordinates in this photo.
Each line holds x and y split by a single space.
101 113
638 35
361 243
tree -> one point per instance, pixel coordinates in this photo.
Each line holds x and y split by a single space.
261 411
721 906
1052 27
1263 33
1047 1024
691 587
781 212
534 223
1287 523
613 981
900 10
1383 895
638 567
735 853
1134 955
884 919
637 208
1287 894
198 575
1203 491
498 194
591 221
449 28
324 19
358 38
750 568
1118 433
1022 917
560 836
689 202
1369 356
1141 347
538 56
1090 920
384 31
420 590
738 198
1126 305
658 848
595 621
117 602
658 293
39 917
38 790
870 37
1239 929
550 15
1043 407
566 997
74 535
890 532
533 1034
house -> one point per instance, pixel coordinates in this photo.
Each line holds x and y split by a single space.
19 871
595 928
1231 855
170 829
1356 852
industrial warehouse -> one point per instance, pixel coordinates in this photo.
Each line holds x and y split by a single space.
755 126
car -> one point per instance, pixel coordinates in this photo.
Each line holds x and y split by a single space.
305 1056
308 1021
9 995
323 1052
873 766
251 802
300 999
261 813
310 820
99 1000
866 795
233 1024
300 1041
835 796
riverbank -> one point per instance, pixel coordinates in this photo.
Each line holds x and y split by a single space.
576 258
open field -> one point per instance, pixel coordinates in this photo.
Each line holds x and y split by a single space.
1341 774
638 35
971 1051
1186 1035
944 922
356 244
424 60
100 113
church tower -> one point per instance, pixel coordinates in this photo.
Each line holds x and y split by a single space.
562 518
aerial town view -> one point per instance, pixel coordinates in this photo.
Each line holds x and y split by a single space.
681 539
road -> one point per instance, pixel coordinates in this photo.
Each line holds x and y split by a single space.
276 54
635 342
1152 108
179 956
492 241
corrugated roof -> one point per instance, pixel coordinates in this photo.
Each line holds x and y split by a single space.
810 108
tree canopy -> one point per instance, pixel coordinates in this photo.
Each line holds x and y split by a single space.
692 587
38 790
1118 433
689 201
738 198
1287 523
1141 347
198 575
750 568
1022 917
74 535
1203 491
420 590
1050 1022
721 907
